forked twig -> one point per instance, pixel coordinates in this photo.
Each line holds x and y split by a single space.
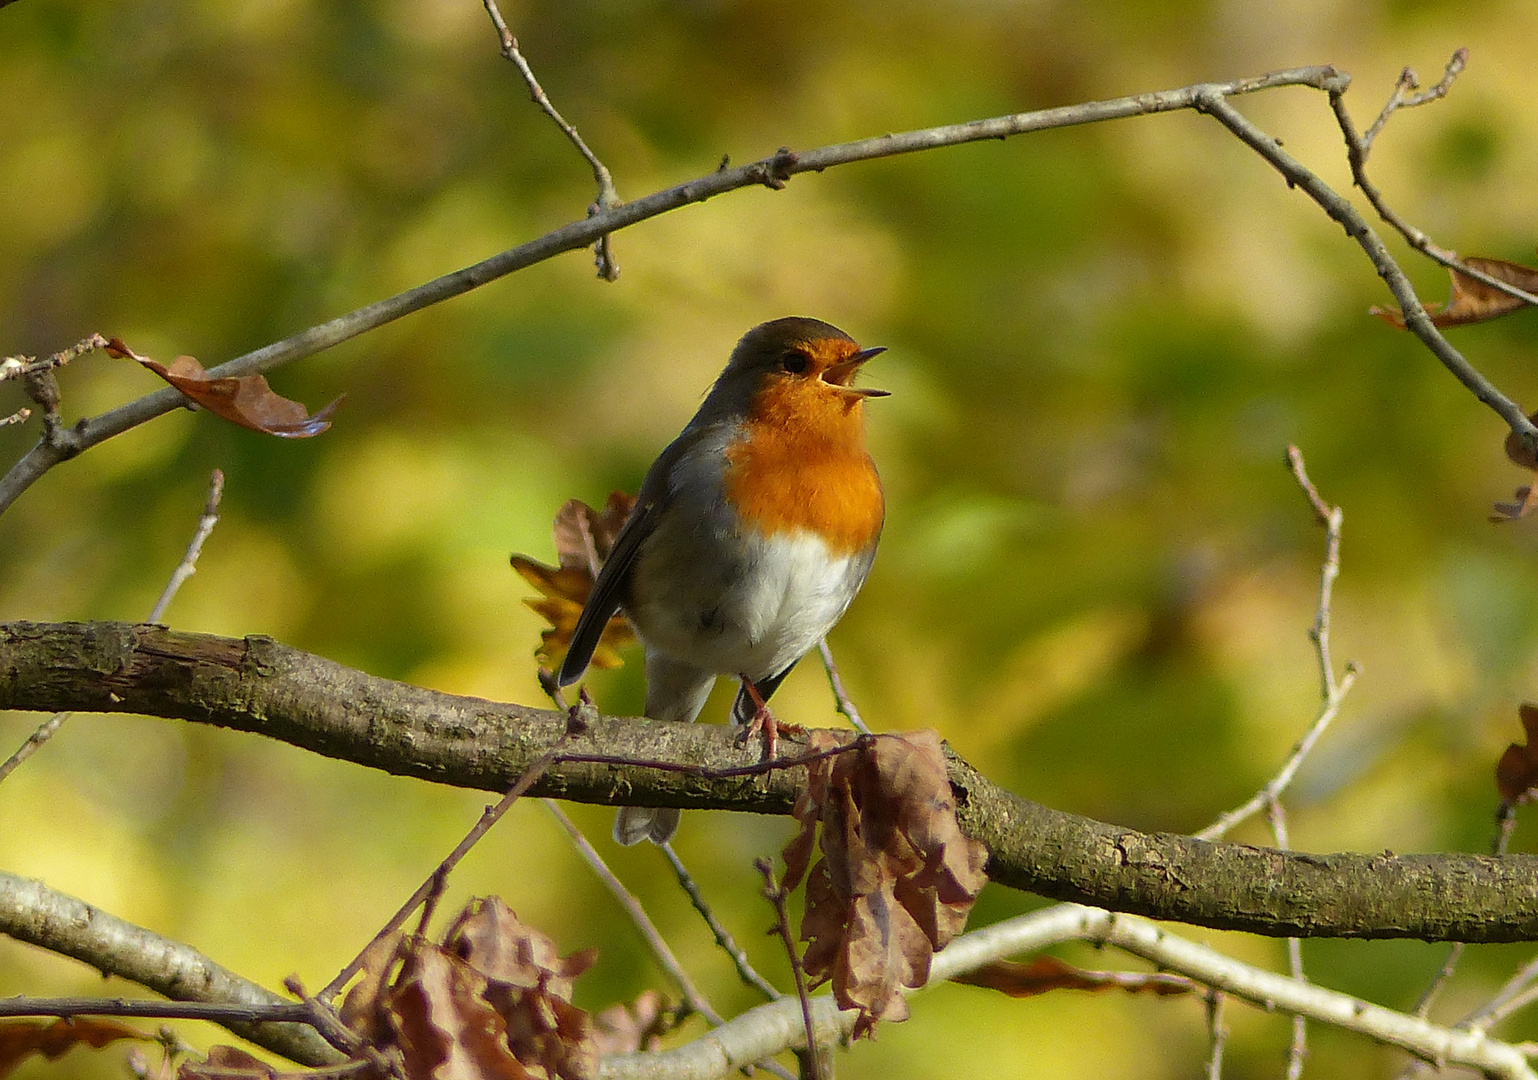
608 197
1340 210
1359 146
1333 691
1403 98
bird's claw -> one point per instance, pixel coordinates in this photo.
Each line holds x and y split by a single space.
764 722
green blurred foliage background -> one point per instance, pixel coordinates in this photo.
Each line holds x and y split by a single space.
1096 578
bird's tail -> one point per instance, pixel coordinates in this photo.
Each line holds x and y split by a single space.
636 823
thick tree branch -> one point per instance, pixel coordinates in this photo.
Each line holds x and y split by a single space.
34 913
255 684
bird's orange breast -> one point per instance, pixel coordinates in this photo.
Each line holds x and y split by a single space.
801 465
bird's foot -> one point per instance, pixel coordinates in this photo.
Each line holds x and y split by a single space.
763 721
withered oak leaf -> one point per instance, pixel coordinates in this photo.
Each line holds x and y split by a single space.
897 877
246 400
583 539
1471 300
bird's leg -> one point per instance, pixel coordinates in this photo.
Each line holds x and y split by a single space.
763 720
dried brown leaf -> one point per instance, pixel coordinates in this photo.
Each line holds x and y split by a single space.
1517 771
897 877
361 1007
884 951
443 1026
1046 973
1517 450
823 922
1471 300
490 1003
584 537
246 400
798 852
23 1036
1526 501
491 939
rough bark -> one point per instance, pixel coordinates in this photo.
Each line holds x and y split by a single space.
255 684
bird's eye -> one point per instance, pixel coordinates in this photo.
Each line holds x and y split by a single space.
796 362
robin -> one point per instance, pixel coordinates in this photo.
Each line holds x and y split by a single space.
751 534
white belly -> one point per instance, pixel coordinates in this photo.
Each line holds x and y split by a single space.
745 605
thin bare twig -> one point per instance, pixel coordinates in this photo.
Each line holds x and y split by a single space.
774 892
772 171
1402 98
840 695
653 937
433 884
184 569
745 970
189 564
608 197
1333 691
1331 518
17 417
218 1012
45 731
19 367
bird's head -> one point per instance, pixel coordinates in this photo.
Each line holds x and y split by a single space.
796 371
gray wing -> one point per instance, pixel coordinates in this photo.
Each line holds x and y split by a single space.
604 600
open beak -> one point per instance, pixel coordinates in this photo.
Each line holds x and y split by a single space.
841 373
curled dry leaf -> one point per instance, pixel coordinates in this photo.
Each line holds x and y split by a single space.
1046 973
246 400
897 877
1525 501
1471 300
583 539
492 1001
23 1036
1517 771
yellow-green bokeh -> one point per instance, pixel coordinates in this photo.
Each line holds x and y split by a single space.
1096 579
